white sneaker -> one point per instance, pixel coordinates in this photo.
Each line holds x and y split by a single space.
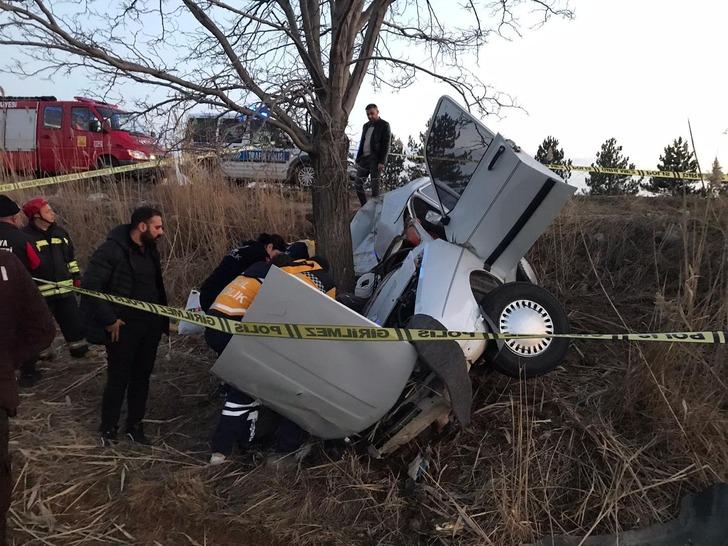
217 458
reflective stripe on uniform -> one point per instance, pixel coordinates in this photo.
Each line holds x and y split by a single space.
73 267
230 413
229 311
53 290
233 405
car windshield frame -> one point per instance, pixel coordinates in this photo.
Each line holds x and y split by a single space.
456 144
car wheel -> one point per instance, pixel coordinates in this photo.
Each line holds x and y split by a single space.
106 161
304 175
524 308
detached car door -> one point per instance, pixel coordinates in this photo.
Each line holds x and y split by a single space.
500 199
332 389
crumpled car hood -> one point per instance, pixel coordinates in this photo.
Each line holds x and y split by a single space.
332 389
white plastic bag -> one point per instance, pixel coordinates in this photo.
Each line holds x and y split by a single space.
193 304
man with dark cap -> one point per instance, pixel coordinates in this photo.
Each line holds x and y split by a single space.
57 264
26 328
12 238
265 248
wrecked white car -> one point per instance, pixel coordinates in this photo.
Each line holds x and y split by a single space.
444 252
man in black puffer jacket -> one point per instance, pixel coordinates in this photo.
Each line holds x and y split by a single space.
265 248
128 265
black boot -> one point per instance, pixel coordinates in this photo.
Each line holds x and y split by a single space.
108 437
135 433
78 349
29 378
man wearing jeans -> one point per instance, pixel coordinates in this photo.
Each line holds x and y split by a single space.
372 155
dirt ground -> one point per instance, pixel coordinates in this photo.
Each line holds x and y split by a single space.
70 490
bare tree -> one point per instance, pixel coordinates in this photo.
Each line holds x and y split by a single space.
305 60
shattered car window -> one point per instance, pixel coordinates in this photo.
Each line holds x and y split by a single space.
456 144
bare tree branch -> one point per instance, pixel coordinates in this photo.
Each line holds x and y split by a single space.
306 60
376 18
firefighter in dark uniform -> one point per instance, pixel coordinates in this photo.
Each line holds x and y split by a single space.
13 239
241 414
58 264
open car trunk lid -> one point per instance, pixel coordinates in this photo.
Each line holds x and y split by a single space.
331 389
500 199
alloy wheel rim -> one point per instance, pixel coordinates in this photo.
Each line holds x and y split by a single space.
526 317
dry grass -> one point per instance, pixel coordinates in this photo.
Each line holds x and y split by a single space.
202 219
610 441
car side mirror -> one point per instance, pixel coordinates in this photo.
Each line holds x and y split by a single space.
94 126
433 217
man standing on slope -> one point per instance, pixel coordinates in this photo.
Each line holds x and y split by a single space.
373 151
128 265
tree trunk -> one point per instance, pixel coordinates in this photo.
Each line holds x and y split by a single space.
331 200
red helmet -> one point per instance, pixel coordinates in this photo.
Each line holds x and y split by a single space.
32 207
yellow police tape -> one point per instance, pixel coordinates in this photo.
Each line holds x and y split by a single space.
634 172
72 177
330 332
677 175
86 175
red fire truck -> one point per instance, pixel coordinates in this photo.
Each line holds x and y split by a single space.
45 135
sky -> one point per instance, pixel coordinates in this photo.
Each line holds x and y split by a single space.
635 70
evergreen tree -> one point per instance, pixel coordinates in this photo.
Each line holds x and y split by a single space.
610 156
549 153
717 184
415 166
677 158
393 175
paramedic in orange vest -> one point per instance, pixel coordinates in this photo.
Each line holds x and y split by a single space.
242 415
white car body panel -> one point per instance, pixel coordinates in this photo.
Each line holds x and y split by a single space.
506 199
444 292
379 222
385 299
332 389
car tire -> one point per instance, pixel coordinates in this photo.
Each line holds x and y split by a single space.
106 161
514 308
303 175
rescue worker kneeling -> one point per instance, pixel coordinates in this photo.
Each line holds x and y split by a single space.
243 419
